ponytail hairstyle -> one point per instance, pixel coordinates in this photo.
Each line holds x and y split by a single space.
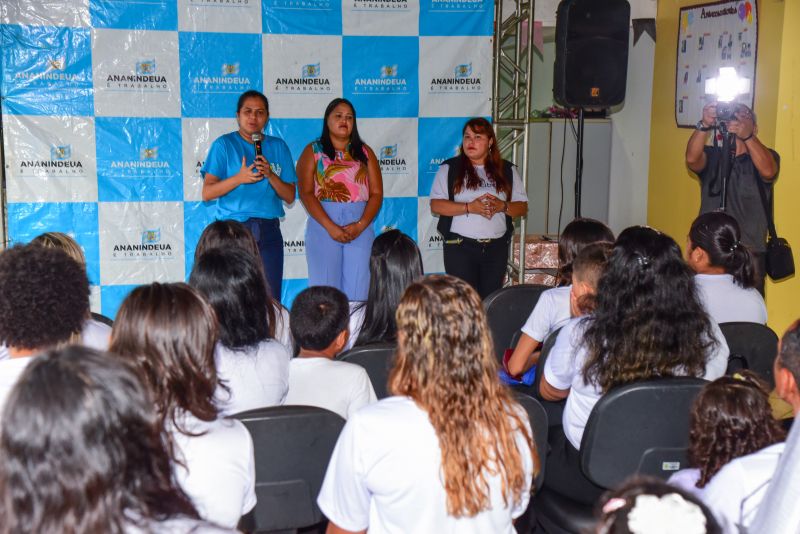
718 234
493 165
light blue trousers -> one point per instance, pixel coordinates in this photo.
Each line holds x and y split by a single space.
344 266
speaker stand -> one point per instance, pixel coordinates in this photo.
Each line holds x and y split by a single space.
579 164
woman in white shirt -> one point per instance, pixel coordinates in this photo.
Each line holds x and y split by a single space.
252 365
648 322
82 451
726 277
169 332
476 194
452 452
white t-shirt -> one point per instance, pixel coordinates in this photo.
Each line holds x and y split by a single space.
257 376
341 387
177 525
473 225
726 301
550 313
357 310
385 475
282 331
95 335
686 479
10 371
736 491
563 369
219 474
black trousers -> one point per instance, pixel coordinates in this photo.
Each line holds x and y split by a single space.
760 261
481 264
562 472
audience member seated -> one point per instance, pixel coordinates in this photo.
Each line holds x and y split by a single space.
452 451
82 451
44 303
730 418
587 268
725 270
648 323
233 233
737 491
169 331
553 309
319 326
394 263
645 505
252 365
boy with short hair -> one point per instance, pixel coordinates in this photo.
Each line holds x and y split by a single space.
319 324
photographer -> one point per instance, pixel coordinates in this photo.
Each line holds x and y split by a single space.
753 161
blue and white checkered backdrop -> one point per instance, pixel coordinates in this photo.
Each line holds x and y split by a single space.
109 108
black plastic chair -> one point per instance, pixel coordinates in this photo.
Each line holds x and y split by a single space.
539 427
638 428
507 309
293 445
753 346
377 359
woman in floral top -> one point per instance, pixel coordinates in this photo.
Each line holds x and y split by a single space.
341 187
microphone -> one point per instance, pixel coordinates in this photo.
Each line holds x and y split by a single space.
257 138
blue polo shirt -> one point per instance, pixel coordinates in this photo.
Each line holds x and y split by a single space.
249 200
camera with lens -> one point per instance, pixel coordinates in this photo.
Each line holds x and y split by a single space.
726 111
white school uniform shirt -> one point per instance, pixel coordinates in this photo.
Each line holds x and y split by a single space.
550 313
473 225
175 525
386 475
10 371
340 387
563 369
686 479
736 491
282 331
95 335
218 472
357 310
726 301
256 377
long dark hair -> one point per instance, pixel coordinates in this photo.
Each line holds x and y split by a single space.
576 235
394 263
230 233
731 417
718 234
648 320
356 147
233 284
82 449
169 331
493 166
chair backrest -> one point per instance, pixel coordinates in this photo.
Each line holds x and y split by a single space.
639 428
538 419
100 318
507 309
753 346
293 445
376 358
547 346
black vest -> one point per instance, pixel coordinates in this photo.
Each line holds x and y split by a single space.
455 172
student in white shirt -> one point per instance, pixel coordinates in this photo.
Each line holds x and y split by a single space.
476 195
394 262
726 278
112 471
252 366
169 332
44 302
553 309
319 326
426 460
648 322
235 234
731 417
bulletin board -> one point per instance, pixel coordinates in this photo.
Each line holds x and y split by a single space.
710 36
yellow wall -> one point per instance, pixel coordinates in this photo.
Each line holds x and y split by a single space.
674 193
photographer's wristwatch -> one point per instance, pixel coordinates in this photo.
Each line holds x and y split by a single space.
703 128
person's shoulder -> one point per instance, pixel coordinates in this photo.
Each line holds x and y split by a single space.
389 412
272 347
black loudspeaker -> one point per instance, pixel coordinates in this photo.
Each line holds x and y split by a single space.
591 65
